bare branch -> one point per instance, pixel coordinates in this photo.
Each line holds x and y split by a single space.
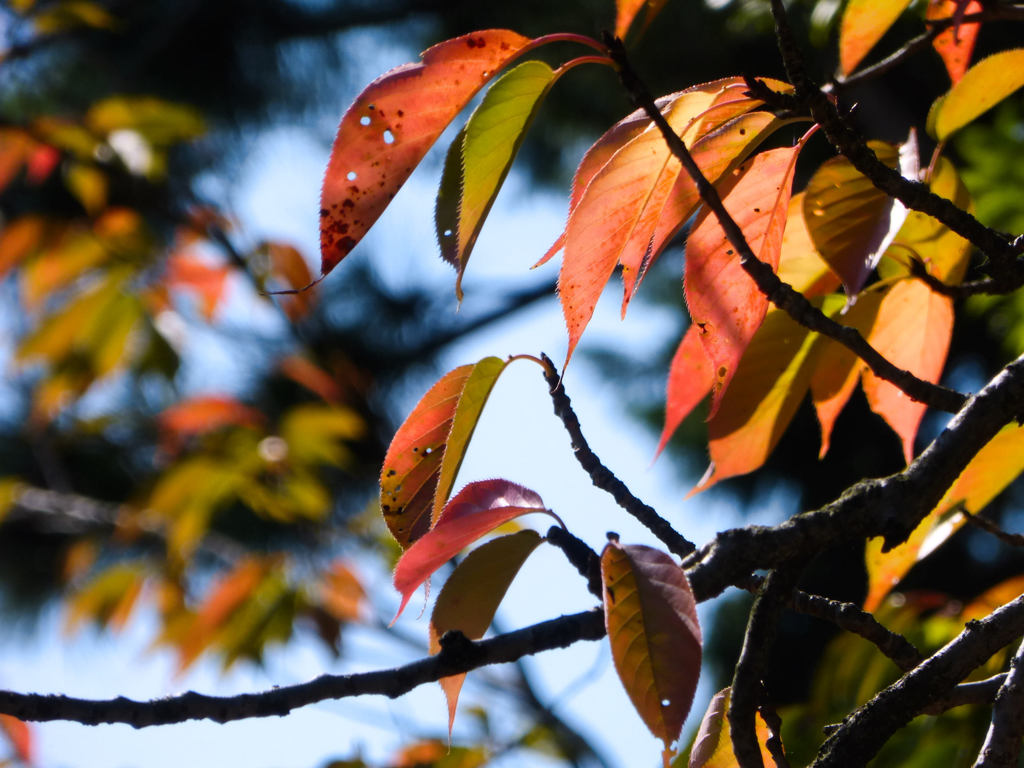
1003 740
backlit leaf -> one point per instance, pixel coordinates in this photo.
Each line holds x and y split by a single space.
623 202
288 265
19 734
158 121
626 12
725 304
770 384
912 330
863 24
990 472
651 618
186 272
477 509
341 593
851 222
391 125
690 378
108 598
20 238
480 158
712 747
955 44
205 413
472 594
982 87
427 450
800 264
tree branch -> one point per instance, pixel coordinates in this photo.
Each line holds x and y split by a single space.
458 654
779 293
1003 740
604 478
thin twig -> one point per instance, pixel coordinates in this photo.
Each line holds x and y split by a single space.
604 478
1013 539
1003 740
779 293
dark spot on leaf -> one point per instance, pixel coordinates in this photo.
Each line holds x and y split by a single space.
324 212
611 594
401 113
729 252
415 449
504 46
346 244
353 189
743 131
722 370
347 203
391 473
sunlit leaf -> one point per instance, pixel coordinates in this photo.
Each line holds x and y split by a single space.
651 618
912 330
800 264
20 238
725 304
471 596
769 385
304 371
994 598
19 734
436 754
478 508
955 44
982 87
69 254
712 747
863 24
480 158
990 472
391 125
89 186
851 222
159 122
626 12
341 592
196 275
288 265
205 413
108 598
314 432
427 450
690 378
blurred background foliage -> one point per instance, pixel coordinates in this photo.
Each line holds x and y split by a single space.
237 512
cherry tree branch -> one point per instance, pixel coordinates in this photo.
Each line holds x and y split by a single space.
604 478
779 293
1003 740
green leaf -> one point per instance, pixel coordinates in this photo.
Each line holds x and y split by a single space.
472 594
651 618
982 87
427 450
480 157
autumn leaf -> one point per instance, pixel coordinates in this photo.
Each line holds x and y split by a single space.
651 618
712 747
982 87
800 264
912 330
991 470
863 24
391 125
341 593
191 273
475 510
724 302
19 735
108 598
480 157
471 596
850 221
690 378
955 44
426 452
626 12
205 413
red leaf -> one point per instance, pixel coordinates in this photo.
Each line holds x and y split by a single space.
912 330
955 44
651 618
19 734
193 274
724 302
199 415
475 510
392 124
690 378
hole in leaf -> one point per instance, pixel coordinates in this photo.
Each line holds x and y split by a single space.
389 137
351 175
446 233
427 451
364 120
665 702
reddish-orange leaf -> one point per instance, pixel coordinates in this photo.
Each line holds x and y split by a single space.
651 618
425 454
912 330
472 594
690 378
724 302
341 593
993 598
770 384
626 12
837 370
863 24
637 179
206 413
800 264
21 238
19 734
194 274
288 265
312 377
955 44
477 509
391 125
712 747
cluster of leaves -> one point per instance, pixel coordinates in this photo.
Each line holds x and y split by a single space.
630 196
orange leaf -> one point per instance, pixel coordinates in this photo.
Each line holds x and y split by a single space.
471 596
21 238
955 44
912 330
425 454
191 273
288 265
712 747
391 125
19 734
476 509
651 618
626 12
863 24
206 413
724 302
690 378
312 377
800 264
341 593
